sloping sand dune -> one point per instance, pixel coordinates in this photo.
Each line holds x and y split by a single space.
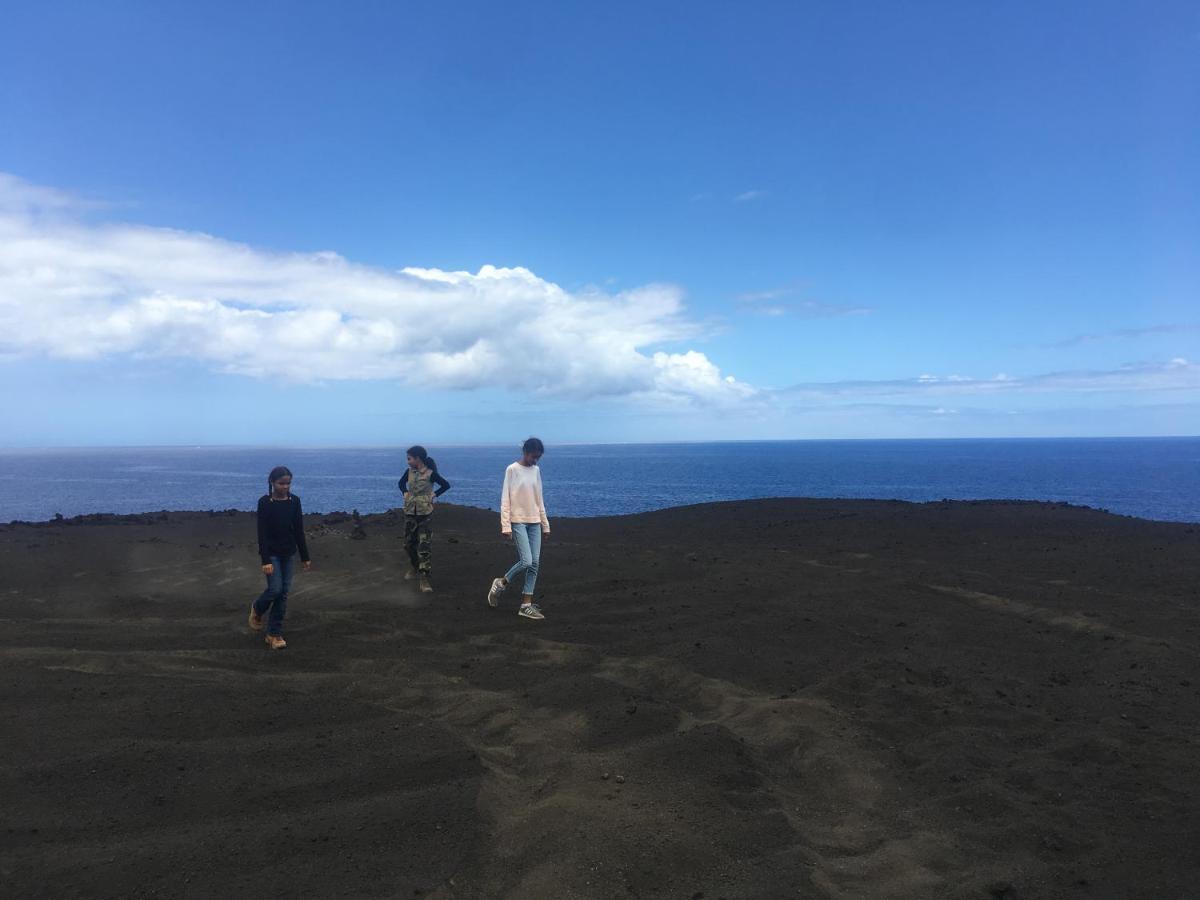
763 699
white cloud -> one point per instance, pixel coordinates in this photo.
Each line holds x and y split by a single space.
1177 374
761 296
747 196
74 289
21 197
773 303
816 310
1126 334
691 374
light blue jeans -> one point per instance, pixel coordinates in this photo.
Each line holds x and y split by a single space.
528 539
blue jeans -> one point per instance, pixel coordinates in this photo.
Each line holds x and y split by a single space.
528 538
274 597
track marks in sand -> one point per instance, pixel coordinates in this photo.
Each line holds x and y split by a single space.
818 769
359 581
793 771
1071 621
190 665
259 794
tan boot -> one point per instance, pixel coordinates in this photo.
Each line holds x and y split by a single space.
276 641
256 621
426 587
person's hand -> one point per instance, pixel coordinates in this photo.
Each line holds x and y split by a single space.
308 565
268 569
507 535
407 494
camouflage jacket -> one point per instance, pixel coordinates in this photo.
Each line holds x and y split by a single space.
418 487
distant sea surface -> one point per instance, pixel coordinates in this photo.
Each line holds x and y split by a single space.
1154 478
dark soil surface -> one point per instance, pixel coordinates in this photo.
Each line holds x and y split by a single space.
764 699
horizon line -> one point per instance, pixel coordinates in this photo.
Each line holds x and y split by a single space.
497 444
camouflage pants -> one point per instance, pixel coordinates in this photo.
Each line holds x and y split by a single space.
418 541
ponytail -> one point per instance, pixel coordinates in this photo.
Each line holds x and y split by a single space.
418 452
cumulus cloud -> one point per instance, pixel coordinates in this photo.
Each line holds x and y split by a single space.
75 289
693 373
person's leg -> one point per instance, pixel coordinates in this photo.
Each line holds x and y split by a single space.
424 548
535 555
410 539
286 568
520 539
274 586
531 536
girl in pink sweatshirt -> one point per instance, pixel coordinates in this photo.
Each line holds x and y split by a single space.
523 520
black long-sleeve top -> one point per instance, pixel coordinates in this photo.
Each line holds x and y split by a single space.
281 528
442 483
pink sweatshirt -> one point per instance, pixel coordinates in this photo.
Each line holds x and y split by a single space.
521 498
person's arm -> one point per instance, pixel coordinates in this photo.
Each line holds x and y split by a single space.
404 482
263 552
442 483
298 530
505 509
542 505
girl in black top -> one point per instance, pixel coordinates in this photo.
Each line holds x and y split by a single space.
280 536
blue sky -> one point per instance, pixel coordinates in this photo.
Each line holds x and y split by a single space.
703 221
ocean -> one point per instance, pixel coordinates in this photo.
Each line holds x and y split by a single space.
1154 478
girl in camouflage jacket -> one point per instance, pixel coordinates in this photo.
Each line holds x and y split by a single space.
417 484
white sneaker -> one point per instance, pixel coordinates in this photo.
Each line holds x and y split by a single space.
531 611
498 588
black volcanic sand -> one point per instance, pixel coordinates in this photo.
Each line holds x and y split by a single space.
759 699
